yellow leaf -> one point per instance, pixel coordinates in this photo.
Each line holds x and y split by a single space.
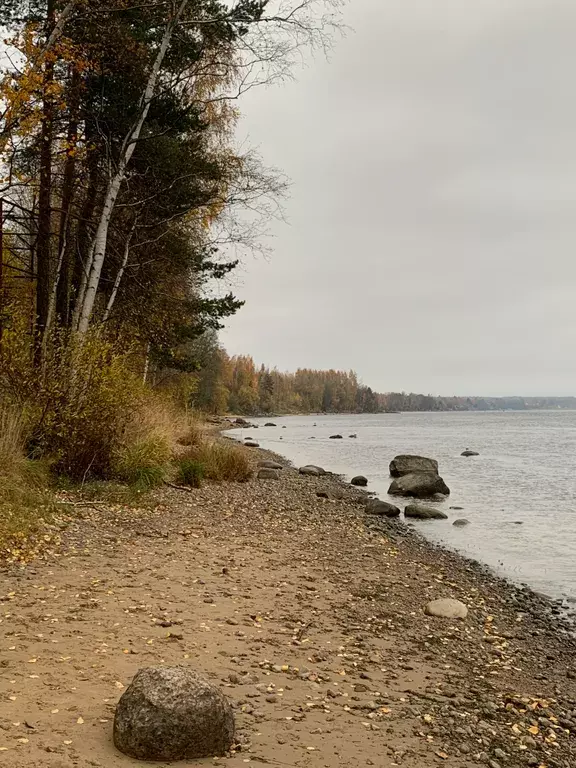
533 730
80 720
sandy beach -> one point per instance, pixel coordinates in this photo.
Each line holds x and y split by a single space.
309 615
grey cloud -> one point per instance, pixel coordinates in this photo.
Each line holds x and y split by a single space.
431 238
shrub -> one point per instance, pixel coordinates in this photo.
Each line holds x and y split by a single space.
86 399
221 461
190 472
143 463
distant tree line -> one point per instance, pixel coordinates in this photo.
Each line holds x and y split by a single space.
236 384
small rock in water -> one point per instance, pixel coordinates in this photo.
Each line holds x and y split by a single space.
251 444
446 608
270 465
424 513
468 452
382 508
457 508
353 437
359 480
172 713
311 469
461 523
269 424
336 437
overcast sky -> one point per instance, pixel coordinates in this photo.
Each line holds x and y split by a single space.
431 235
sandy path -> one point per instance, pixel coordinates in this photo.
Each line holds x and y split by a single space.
312 624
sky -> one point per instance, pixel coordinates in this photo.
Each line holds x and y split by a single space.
430 234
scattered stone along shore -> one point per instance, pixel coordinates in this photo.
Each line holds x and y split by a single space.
309 614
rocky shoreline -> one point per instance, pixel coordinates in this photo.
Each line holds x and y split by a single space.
309 615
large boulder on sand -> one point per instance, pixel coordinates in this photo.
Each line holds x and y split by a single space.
407 465
381 508
268 474
172 713
420 485
312 470
424 513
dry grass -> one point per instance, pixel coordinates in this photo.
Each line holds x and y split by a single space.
220 461
25 503
193 434
12 439
144 455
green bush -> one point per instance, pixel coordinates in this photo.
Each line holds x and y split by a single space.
190 472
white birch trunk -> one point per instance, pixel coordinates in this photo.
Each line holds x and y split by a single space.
119 276
60 24
146 364
128 146
82 289
53 294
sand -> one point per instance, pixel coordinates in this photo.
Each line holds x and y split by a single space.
307 613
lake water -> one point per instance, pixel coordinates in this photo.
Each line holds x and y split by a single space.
526 472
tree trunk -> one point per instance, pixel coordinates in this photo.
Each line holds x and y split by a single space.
82 252
43 247
120 275
65 255
115 182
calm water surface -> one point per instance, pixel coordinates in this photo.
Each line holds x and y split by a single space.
526 473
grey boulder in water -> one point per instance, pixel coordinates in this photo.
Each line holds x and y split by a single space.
312 470
381 508
419 485
468 452
424 513
407 465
